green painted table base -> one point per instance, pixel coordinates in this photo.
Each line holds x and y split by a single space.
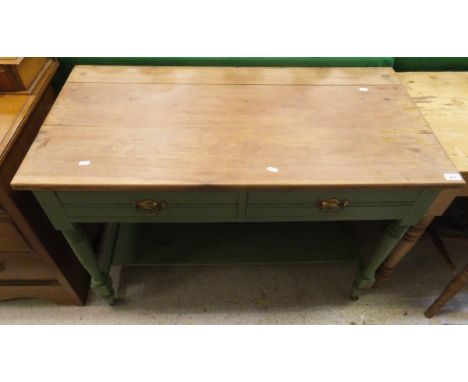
137 244
243 232
234 243
365 276
101 283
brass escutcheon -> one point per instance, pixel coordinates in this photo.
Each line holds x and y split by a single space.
149 206
332 205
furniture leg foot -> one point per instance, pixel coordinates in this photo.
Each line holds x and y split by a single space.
411 237
101 283
365 277
104 290
360 283
450 290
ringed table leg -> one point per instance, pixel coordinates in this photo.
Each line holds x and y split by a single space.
365 277
101 283
450 290
411 237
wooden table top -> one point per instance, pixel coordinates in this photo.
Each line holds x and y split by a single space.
442 98
128 128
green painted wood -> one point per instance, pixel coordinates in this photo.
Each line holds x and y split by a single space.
230 214
353 196
365 277
312 212
185 219
101 283
53 208
129 197
241 204
107 246
247 243
232 61
425 199
124 212
233 242
418 64
209 206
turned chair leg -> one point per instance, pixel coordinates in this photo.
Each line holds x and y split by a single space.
408 241
450 290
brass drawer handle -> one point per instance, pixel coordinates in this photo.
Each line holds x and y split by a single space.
332 205
2 267
149 206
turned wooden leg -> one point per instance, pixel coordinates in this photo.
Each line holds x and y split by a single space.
408 241
100 281
450 290
365 277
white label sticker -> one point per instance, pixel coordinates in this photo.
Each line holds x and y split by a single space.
272 169
452 176
363 89
84 163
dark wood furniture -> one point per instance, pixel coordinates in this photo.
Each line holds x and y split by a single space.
35 261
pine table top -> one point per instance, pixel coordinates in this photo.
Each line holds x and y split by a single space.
128 128
442 97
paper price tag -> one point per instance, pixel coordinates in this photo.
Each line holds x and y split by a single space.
452 176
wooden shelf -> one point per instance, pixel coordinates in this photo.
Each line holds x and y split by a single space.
234 243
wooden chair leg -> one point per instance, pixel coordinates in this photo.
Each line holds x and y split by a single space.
441 248
408 241
450 290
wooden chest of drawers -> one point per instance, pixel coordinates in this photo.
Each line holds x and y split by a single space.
34 260
20 73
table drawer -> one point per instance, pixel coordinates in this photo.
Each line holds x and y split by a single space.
10 239
23 266
152 205
332 204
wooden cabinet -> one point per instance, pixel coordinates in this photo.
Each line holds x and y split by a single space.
20 73
21 266
35 261
10 238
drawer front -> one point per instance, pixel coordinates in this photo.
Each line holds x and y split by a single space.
10 239
332 204
21 266
151 206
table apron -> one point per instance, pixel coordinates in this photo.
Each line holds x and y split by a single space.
67 207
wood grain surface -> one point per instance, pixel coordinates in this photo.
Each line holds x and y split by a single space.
233 75
148 128
11 60
442 98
